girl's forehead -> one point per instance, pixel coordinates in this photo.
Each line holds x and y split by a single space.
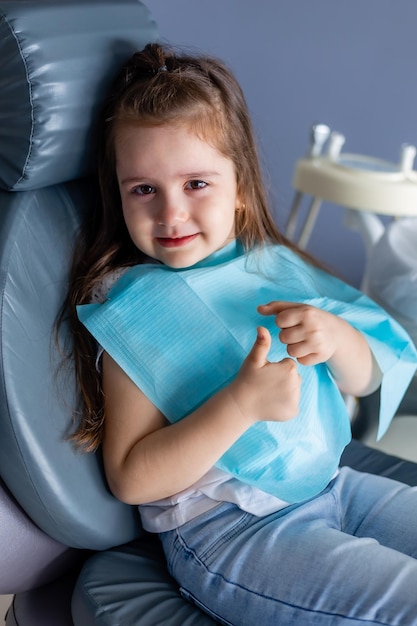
132 132
206 125
169 149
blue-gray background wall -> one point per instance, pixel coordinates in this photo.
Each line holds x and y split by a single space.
350 64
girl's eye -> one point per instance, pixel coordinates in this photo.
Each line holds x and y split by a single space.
144 190
196 184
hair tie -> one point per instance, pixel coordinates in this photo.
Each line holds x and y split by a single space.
134 73
157 70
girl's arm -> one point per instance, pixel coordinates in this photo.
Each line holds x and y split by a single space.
147 459
315 336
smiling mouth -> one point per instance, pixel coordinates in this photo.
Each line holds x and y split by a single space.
175 242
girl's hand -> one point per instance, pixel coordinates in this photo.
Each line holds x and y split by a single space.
314 336
264 390
311 335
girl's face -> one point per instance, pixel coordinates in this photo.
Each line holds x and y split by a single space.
179 193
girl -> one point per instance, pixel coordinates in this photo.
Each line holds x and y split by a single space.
227 436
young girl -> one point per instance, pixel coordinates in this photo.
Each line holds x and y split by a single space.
223 352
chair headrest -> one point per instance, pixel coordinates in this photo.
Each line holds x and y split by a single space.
58 59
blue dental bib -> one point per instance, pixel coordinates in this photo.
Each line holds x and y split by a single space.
182 335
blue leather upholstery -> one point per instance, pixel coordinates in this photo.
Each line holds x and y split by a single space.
61 489
62 56
57 61
60 59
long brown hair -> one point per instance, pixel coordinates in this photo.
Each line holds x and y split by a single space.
156 87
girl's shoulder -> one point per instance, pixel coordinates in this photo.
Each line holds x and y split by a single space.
101 289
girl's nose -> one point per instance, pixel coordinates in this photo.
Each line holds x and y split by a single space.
171 212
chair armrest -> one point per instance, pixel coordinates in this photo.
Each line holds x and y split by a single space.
28 557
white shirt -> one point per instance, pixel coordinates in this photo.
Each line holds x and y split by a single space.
214 487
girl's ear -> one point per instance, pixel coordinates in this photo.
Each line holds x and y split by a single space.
240 198
239 202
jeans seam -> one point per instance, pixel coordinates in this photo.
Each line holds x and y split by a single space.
229 534
192 553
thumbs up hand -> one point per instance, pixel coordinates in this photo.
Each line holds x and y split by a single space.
265 390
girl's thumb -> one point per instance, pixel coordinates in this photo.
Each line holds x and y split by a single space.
261 347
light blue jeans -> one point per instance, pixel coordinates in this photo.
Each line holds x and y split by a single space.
346 557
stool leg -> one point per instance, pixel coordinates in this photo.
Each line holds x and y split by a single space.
309 222
292 218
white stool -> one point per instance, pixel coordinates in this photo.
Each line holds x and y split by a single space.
359 183
368 189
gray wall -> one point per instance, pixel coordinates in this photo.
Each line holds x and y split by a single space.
350 64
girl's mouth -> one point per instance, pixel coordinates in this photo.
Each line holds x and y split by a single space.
175 242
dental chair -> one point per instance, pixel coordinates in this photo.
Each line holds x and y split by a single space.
58 520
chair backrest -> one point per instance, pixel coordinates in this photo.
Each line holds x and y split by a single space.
57 60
